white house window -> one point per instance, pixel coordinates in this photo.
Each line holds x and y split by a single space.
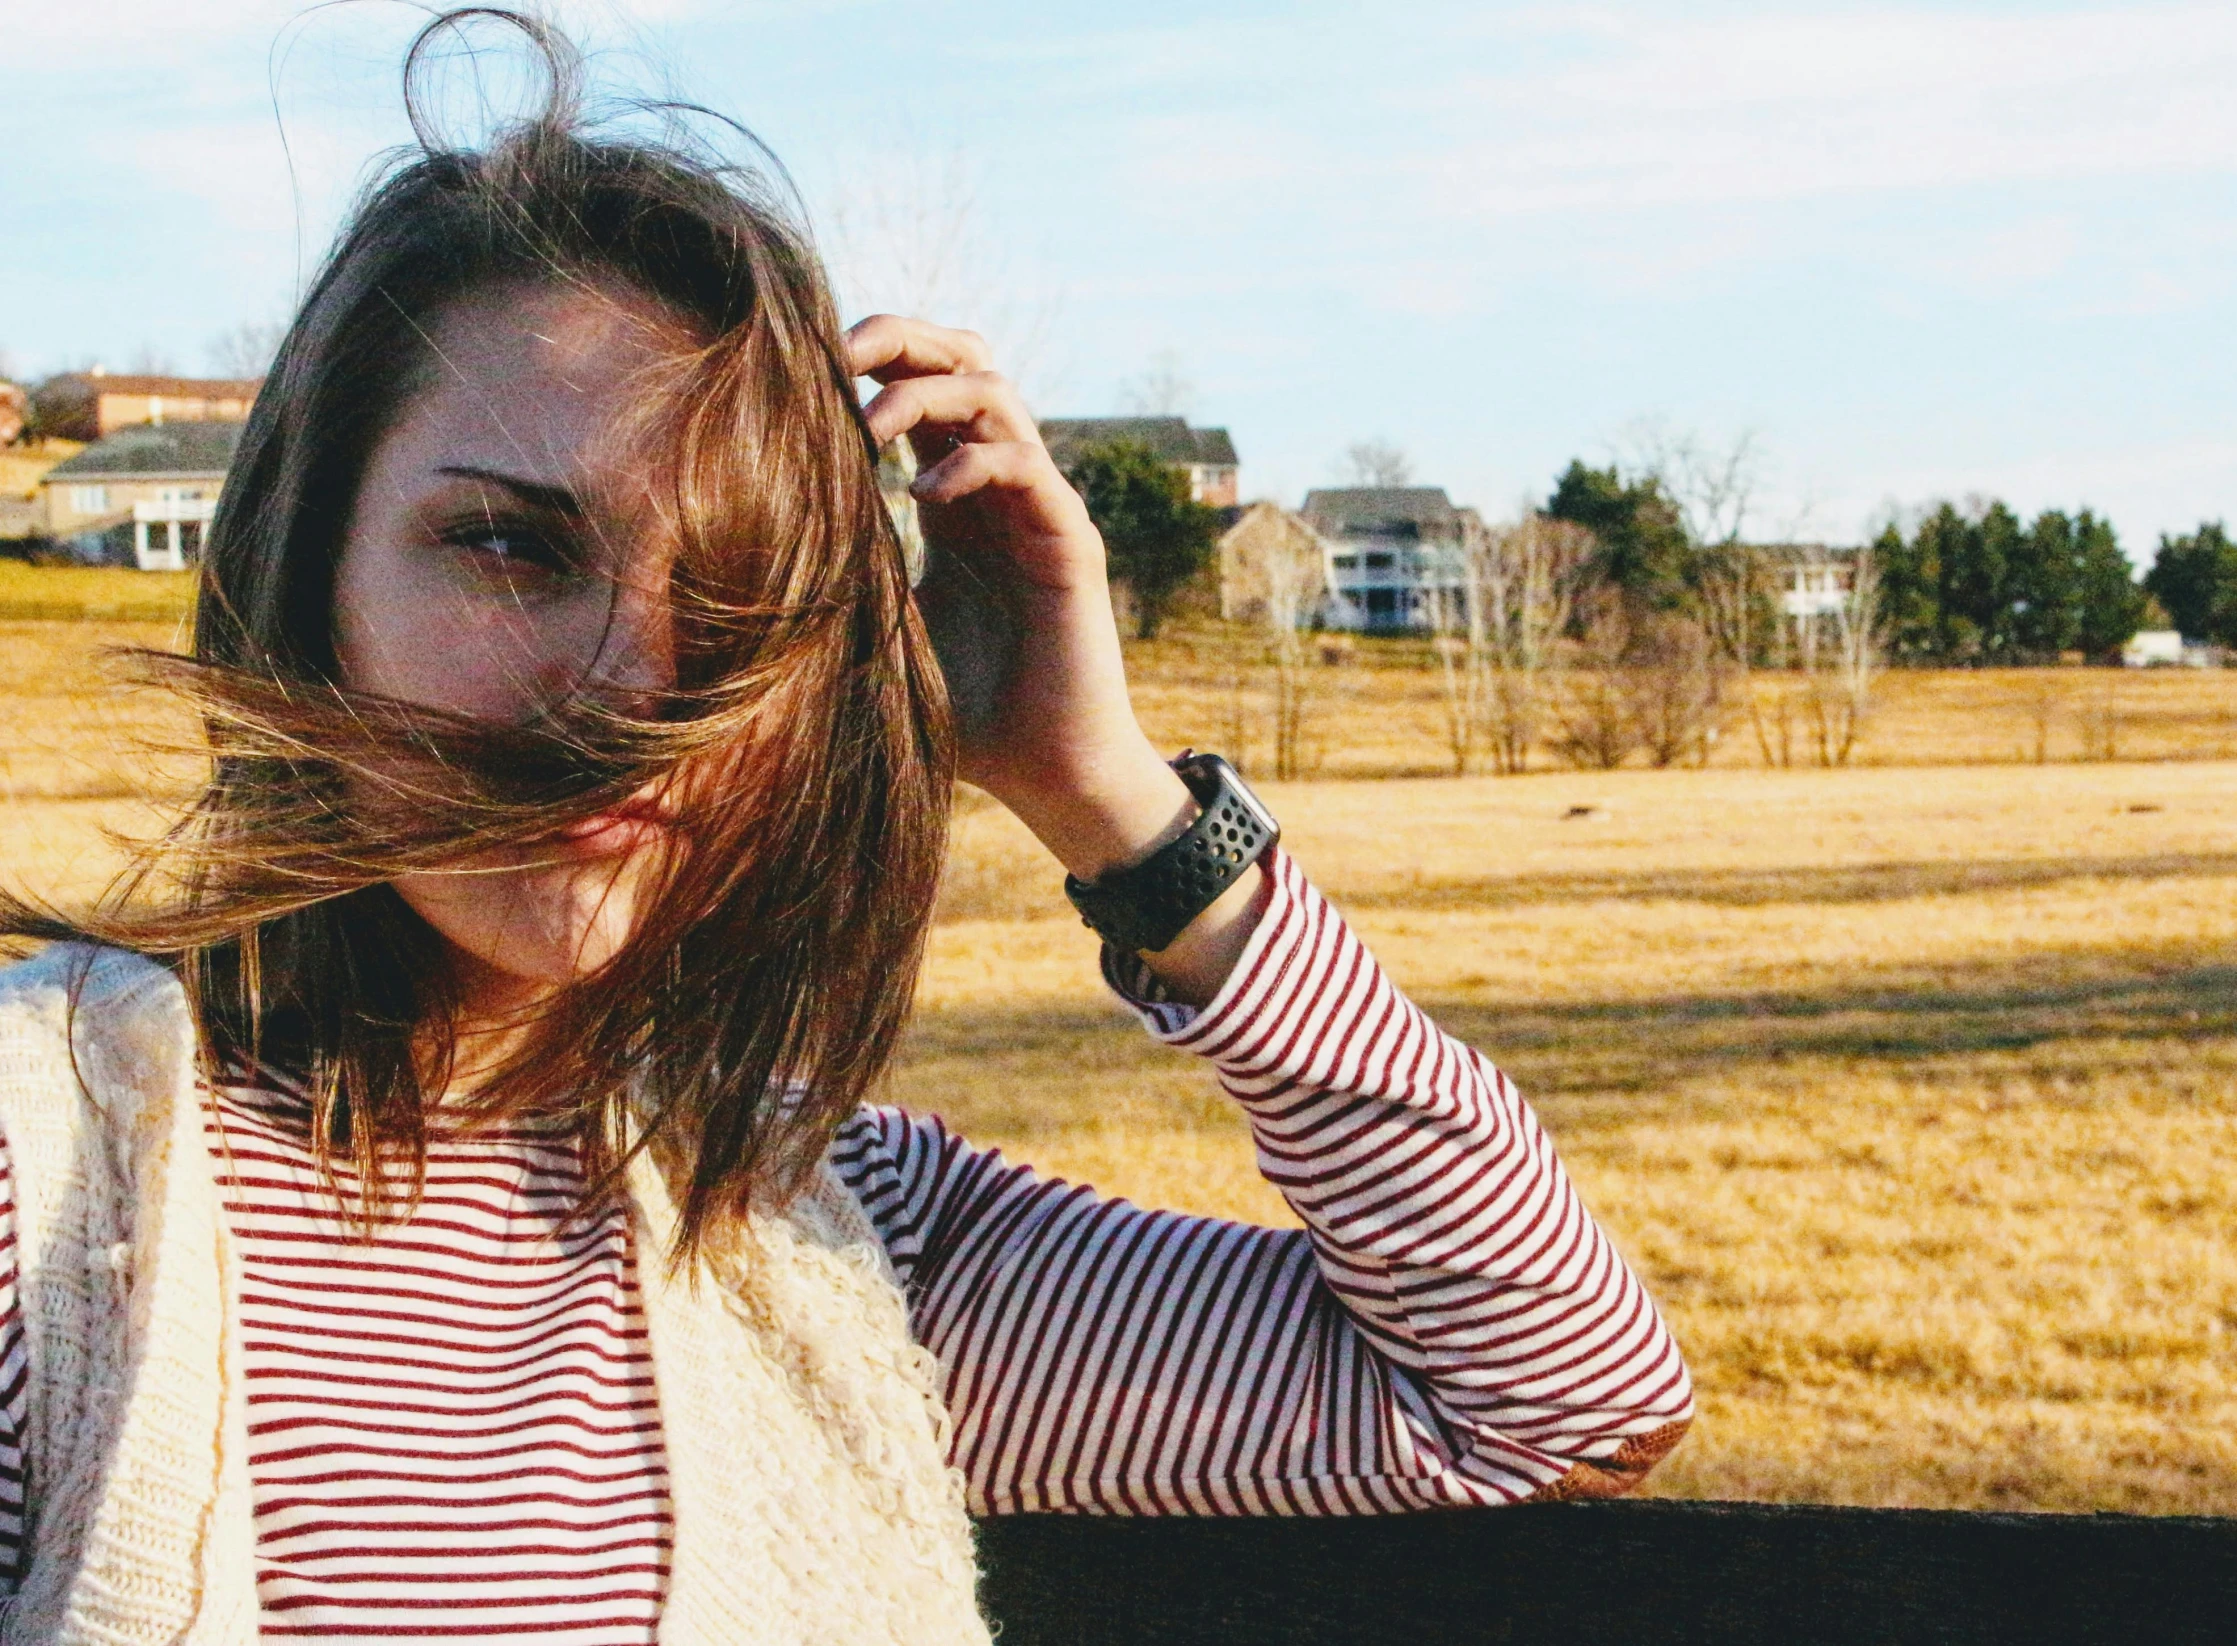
89 499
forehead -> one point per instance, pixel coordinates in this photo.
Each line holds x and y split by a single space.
529 378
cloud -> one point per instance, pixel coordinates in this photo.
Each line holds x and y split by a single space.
2010 256
1503 113
1780 106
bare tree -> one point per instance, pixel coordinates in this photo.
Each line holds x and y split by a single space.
1531 577
1462 614
1376 463
245 350
1595 722
912 238
1160 389
1672 679
1499 614
150 361
1713 487
1842 702
2101 719
2041 706
1295 578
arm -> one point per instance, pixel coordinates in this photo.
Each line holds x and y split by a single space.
15 1382
1450 1328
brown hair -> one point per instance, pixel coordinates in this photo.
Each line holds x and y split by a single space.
762 992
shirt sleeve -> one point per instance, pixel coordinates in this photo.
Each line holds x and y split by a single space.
15 1381
1449 1328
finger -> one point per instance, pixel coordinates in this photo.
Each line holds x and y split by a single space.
1008 465
887 347
978 406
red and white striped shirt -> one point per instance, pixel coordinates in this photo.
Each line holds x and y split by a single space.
454 1427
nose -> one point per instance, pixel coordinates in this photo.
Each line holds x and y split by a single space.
636 665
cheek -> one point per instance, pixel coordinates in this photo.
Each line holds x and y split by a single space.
448 650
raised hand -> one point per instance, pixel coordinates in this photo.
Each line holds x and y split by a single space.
1055 738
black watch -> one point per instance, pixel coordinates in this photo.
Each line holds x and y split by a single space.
1142 908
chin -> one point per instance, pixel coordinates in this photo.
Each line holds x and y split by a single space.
541 928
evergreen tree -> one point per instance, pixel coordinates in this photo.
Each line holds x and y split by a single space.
1643 547
1945 542
2042 587
2109 606
2195 578
1997 537
1155 535
1910 583
1987 589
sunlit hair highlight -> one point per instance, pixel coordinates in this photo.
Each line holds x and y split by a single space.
762 991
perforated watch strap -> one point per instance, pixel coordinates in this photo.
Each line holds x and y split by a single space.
1144 907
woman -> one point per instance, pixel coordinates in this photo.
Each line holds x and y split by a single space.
470 1220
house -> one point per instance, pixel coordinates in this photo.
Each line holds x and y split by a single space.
1813 581
141 496
1271 566
21 467
1392 551
2166 649
1207 456
1815 588
15 410
90 404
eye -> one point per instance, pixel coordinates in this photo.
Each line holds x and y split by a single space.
516 554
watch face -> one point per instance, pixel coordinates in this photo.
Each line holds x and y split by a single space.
1212 766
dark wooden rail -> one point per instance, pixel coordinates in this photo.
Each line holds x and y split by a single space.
1642 1574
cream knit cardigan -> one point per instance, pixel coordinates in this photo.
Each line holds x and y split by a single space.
811 1496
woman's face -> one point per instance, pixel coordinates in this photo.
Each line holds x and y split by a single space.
496 560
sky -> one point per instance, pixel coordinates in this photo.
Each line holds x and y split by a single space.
1905 253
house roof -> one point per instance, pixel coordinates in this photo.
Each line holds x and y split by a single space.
1170 437
183 388
1337 511
153 449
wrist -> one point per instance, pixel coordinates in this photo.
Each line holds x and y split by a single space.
1111 814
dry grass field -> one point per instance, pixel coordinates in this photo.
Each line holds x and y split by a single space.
1381 714
1907 1088
1908 1092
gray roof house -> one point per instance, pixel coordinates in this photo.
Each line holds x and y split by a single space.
1207 454
1391 551
141 496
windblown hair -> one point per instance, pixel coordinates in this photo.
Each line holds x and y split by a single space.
762 990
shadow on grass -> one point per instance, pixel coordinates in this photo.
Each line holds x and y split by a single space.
1637 1045
1753 888
974 891
1053 1061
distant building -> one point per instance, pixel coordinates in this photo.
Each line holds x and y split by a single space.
21 465
2166 649
1392 551
1270 560
1815 588
1207 456
91 404
142 496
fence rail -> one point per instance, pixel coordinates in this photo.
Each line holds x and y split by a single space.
1644 1574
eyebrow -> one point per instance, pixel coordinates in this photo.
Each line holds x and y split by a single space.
558 499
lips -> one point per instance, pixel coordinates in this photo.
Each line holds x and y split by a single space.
639 821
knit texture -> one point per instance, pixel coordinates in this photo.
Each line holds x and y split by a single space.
811 1496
